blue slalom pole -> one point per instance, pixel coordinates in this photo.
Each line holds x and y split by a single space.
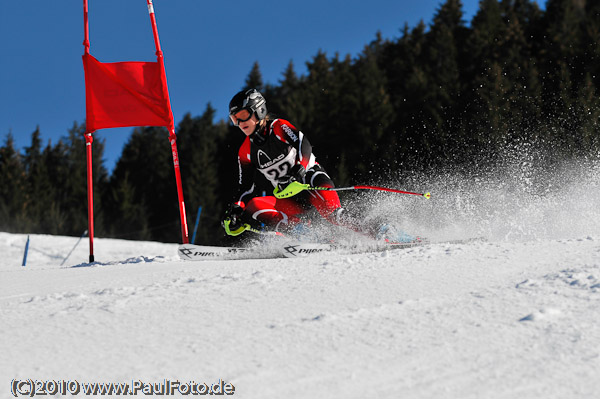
196 226
25 254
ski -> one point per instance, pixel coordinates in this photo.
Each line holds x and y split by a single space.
283 250
207 252
298 249
290 249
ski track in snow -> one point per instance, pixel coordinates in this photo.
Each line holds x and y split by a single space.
516 316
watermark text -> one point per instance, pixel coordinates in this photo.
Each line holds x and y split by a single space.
31 388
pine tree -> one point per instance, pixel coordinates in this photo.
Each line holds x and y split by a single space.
146 165
338 118
55 220
562 61
255 79
591 40
318 101
487 91
288 96
39 191
12 188
130 209
74 181
371 132
588 115
403 63
199 138
444 133
505 91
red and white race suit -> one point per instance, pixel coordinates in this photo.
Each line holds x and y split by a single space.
281 147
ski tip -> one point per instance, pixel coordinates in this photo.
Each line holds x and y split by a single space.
427 195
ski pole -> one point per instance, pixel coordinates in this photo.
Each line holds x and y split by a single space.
393 190
296 187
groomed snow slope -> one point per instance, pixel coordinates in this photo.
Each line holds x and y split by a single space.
516 316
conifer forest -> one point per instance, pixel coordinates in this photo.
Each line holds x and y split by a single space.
447 95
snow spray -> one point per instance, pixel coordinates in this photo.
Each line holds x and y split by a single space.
525 196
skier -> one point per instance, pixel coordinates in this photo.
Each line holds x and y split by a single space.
282 154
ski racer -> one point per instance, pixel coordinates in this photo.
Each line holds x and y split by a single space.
282 154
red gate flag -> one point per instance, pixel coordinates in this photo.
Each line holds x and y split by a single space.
121 94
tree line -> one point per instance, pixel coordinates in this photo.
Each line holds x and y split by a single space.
450 94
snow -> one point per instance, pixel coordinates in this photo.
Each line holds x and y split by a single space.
514 316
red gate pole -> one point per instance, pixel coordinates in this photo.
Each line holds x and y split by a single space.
90 192
88 145
172 135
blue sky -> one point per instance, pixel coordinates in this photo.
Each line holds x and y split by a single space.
209 49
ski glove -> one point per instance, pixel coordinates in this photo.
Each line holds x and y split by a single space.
296 173
232 222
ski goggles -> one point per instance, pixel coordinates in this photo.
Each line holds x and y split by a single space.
240 116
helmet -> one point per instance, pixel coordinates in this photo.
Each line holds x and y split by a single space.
251 100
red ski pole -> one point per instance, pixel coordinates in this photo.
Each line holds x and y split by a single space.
392 190
296 187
